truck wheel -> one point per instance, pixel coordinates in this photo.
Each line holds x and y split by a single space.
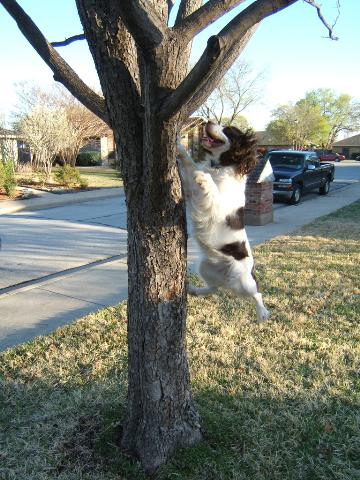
324 189
296 195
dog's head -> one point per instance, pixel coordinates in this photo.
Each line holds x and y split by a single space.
230 147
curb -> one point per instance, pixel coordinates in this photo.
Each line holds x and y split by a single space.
52 200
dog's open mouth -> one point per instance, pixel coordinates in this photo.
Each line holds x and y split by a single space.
210 140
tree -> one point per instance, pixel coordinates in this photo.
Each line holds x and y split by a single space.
341 112
240 88
148 94
302 125
47 132
82 123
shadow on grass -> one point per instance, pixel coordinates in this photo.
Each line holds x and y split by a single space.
246 435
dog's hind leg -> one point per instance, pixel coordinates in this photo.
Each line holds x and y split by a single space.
248 287
261 312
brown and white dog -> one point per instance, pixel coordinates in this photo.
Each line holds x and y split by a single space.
215 194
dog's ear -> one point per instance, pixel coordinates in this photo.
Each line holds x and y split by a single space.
242 152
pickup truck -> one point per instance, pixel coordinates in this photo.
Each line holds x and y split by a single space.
297 172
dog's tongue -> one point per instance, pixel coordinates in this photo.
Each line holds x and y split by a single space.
210 140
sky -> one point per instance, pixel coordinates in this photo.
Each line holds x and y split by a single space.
291 46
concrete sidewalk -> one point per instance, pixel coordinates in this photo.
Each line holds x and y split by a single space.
37 307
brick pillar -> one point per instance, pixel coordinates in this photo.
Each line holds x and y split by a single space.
259 203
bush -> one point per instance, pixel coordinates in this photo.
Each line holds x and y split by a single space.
7 178
88 159
69 176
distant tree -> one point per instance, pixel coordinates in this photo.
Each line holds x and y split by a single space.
240 122
239 88
302 125
342 112
47 132
82 123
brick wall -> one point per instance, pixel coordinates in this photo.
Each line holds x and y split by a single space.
259 203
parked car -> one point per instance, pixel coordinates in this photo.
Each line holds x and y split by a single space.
297 172
331 157
357 158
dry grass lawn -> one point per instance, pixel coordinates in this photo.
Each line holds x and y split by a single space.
97 177
100 177
278 401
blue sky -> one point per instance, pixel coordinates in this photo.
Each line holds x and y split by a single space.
291 46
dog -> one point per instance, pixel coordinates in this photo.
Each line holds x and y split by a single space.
215 197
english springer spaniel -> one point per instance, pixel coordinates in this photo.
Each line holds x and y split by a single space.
215 196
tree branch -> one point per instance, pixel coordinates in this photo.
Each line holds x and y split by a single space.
63 73
186 8
143 23
322 18
69 40
221 51
211 11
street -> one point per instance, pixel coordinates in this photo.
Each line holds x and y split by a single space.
59 264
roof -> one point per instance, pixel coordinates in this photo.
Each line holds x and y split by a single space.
353 141
191 123
5 133
265 138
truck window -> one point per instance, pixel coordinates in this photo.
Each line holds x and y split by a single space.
291 161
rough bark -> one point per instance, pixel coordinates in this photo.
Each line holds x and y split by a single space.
160 412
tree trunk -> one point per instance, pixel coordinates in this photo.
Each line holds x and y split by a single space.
160 413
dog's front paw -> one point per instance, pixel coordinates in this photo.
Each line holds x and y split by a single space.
202 179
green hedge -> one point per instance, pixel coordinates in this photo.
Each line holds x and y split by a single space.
88 159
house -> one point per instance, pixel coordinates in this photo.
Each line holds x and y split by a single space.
191 135
104 144
12 146
266 142
350 147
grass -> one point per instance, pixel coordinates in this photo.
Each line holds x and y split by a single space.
97 177
279 401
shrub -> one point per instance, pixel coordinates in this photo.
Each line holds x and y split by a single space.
88 159
83 183
7 178
69 176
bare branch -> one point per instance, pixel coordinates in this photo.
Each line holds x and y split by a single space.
203 17
69 40
143 23
186 8
220 53
63 73
322 18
